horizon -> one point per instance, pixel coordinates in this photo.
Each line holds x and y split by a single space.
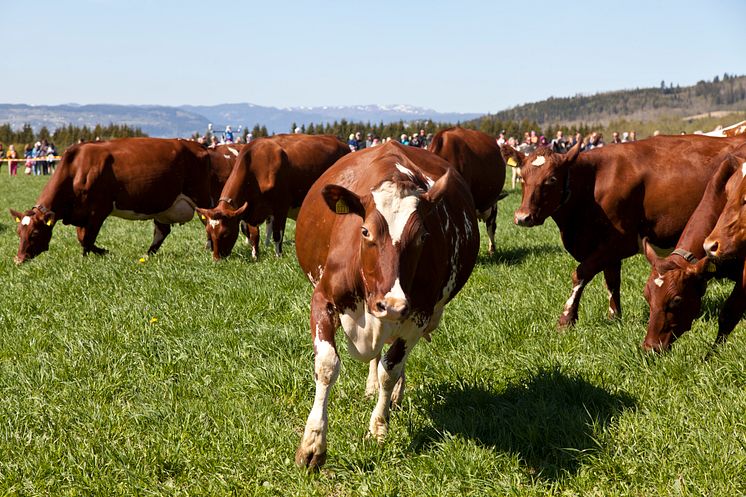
474 57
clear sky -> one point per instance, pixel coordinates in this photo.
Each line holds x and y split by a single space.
463 56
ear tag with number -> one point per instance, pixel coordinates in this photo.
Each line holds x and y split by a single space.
341 207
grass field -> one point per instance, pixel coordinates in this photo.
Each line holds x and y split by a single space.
180 376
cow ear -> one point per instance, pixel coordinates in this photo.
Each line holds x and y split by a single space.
17 216
649 252
342 201
49 218
704 268
573 153
204 214
436 192
238 212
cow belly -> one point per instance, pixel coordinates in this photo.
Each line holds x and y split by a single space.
366 334
181 211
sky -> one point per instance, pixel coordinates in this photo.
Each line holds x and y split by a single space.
465 56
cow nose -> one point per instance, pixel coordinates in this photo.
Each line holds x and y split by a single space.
392 308
521 218
711 247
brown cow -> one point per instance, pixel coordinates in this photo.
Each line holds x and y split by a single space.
271 177
677 283
477 157
727 240
131 178
387 236
605 200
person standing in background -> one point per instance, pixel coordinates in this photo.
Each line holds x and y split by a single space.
12 163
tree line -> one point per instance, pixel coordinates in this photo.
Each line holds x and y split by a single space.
65 136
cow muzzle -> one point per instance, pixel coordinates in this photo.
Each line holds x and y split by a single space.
524 219
712 247
392 309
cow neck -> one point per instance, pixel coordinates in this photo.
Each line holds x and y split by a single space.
571 189
234 190
57 195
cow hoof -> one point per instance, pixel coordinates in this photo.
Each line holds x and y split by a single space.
379 428
566 322
306 458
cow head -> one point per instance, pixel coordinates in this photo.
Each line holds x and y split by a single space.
222 226
674 293
545 184
34 230
392 237
728 239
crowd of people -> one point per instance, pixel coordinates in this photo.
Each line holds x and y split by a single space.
39 159
531 141
356 142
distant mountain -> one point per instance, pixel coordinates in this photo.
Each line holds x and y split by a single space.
641 104
187 119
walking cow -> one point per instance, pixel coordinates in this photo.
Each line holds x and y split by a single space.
387 237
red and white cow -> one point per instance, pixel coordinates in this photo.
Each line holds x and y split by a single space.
387 236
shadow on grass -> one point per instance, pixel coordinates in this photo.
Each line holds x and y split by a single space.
515 255
550 420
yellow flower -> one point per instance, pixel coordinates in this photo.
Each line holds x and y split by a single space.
153 320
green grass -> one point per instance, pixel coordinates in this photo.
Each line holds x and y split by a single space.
211 399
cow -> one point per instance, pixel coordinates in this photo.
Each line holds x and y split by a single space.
270 178
387 237
512 157
727 241
477 157
677 282
131 178
605 200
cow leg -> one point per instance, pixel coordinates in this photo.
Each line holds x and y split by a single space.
312 449
268 229
490 221
731 313
570 314
613 278
371 384
160 232
87 238
390 369
252 238
278 232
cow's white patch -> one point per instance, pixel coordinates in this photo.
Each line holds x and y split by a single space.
26 221
658 281
539 161
181 211
214 222
405 170
366 334
226 156
573 297
396 292
743 169
396 205
233 151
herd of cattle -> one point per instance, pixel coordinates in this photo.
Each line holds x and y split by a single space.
388 235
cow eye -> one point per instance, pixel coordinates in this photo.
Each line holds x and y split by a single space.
675 302
365 232
551 180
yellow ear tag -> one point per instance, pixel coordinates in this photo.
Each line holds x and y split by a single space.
49 223
512 162
203 216
341 207
18 219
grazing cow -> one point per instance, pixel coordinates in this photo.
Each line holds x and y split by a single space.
271 177
387 237
605 200
677 283
477 157
131 178
727 241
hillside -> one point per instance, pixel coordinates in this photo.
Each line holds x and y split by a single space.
643 104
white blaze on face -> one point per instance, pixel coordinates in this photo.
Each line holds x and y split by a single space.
658 281
214 222
539 161
396 206
233 151
743 169
26 221
396 292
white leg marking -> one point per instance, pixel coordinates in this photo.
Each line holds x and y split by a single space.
573 296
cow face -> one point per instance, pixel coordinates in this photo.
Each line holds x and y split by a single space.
674 294
34 232
545 184
728 239
222 226
391 238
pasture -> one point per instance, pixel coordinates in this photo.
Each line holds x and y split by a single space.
180 376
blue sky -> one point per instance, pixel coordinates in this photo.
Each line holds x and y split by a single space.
466 56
